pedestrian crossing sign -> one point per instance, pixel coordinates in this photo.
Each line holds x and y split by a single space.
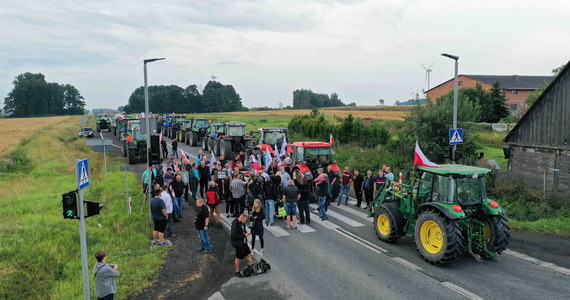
82 171
455 136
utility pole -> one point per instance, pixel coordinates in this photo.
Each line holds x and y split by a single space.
455 87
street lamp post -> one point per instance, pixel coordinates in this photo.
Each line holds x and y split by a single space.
455 87
148 131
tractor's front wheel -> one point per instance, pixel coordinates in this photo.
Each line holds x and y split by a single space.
389 223
497 233
124 148
438 239
132 155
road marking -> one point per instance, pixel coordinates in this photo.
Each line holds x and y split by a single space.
217 296
326 224
407 263
365 245
362 241
355 212
539 262
305 228
461 290
340 217
115 146
276 230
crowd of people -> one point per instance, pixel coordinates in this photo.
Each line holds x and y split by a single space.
253 195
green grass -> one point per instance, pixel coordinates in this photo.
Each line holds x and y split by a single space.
39 250
556 226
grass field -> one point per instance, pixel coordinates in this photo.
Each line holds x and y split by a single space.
39 250
14 131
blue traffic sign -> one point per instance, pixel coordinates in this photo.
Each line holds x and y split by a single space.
455 136
82 171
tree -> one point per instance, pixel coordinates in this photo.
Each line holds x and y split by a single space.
306 99
33 96
217 97
533 96
498 104
555 71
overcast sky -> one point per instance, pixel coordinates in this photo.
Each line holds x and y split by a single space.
363 50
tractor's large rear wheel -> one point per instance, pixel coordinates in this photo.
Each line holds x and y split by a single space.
216 147
187 138
226 149
497 233
389 223
205 143
124 148
193 138
132 155
438 239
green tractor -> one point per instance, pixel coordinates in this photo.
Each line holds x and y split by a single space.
196 130
227 139
135 143
446 211
103 123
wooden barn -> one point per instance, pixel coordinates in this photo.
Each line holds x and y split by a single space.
539 143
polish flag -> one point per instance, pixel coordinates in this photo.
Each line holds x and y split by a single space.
255 163
331 140
277 155
183 156
421 160
284 146
121 117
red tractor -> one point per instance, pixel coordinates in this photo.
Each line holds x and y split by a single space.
307 157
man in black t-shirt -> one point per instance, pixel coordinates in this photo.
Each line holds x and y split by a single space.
358 183
175 147
179 189
201 222
204 171
159 217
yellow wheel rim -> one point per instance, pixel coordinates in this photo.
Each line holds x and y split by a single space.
431 237
383 224
487 232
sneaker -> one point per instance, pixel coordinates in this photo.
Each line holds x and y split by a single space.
288 227
240 275
227 215
338 204
294 227
164 244
207 252
200 250
261 252
156 243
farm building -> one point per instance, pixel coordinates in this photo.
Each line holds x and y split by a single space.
539 143
516 87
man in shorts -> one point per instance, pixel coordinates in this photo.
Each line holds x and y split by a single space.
239 241
159 217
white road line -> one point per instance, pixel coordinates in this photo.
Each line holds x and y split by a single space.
305 228
462 291
539 262
340 217
326 224
276 230
217 296
407 263
355 212
359 242
115 146
362 240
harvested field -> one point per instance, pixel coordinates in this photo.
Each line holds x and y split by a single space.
14 131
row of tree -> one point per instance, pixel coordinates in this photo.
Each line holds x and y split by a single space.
307 99
215 97
33 96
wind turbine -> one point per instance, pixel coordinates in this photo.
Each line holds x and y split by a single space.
428 71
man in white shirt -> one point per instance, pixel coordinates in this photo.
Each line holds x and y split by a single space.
167 198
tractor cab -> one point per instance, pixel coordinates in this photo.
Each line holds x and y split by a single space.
268 138
200 123
310 156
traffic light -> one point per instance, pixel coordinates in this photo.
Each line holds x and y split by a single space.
458 156
93 208
69 201
447 152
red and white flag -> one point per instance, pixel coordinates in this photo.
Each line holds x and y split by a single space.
255 163
331 140
183 156
421 160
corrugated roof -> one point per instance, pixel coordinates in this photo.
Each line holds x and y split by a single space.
522 82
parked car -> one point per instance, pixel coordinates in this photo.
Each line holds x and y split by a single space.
86 132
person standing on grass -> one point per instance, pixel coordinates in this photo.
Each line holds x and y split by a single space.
239 242
179 189
175 148
322 193
291 197
213 202
304 190
105 287
258 215
368 188
159 217
358 183
146 181
167 198
204 171
345 187
237 187
201 222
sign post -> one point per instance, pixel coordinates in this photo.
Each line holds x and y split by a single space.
126 169
455 138
82 171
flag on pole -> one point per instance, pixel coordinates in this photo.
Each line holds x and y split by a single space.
255 163
331 140
183 156
277 155
212 162
421 160
160 136
267 158
284 147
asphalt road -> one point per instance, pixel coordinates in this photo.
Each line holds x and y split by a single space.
343 259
